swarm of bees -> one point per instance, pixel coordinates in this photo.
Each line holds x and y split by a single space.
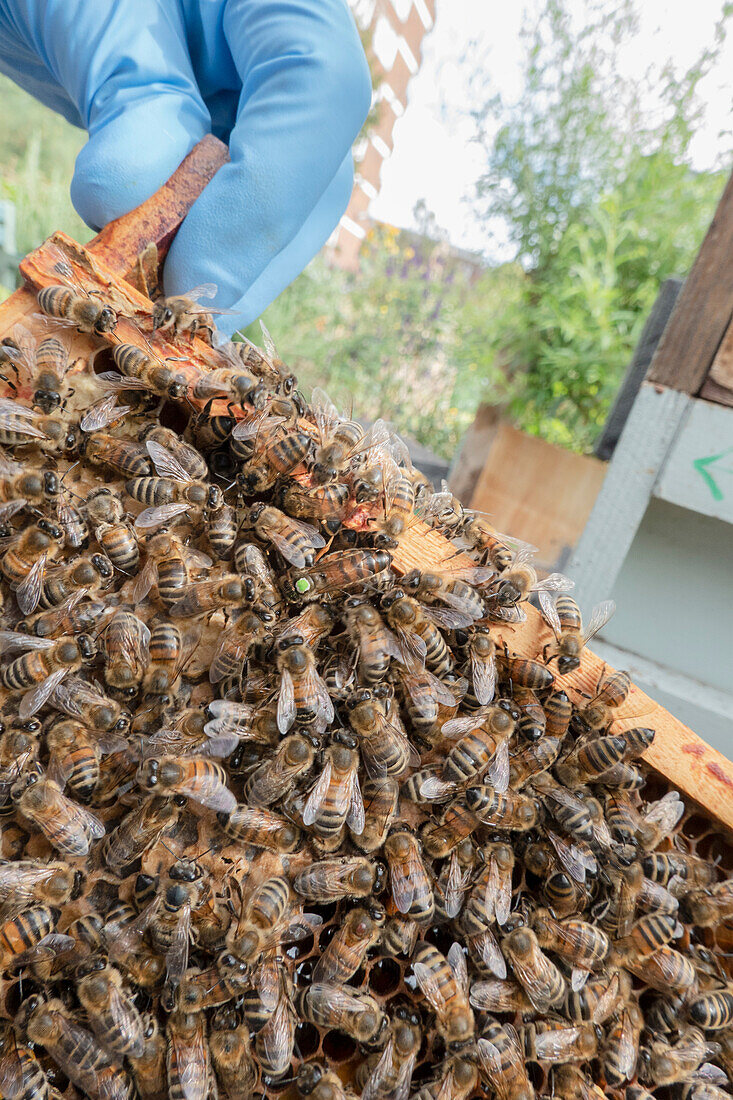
277 819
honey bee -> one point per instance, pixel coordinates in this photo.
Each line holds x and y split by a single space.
72 304
127 458
333 879
261 828
581 944
484 747
321 1084
458 1079
138 830
91 573
274 454
329 1005
168 565
374 643
411 888
195 777
452 588
480 668
532 760
295 540
74 1049
565 807
275 777
571 637
600 998
381 797
266 919
233 383
43 666
558 712
501 1062
172 492
243 720
500 995
666 970
392 1071
339 440
148 1068
384 749
302 694
167 652
490 898
647 935
559 1043
110 1010
126 642
441 836
274 1017
669 1064
235 645
710 905
336 573
205 597
712 1011
31 931
520 581
663 866
24 562
23 882
266 363
74 756
359 931
187 1056
511 810
231 1055
444 983
541 979
336 797
325 504
417 630
68 827
611 692
202 989
249 560
20 486
398 504
142 369
21 1075
621 1048
76 615
115 536
400 936
423 694
181 313
658 819
81 699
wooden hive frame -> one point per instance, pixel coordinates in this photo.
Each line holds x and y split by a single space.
678 755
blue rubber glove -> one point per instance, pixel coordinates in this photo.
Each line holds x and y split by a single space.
284 82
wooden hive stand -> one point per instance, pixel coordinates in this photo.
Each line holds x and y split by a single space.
679 757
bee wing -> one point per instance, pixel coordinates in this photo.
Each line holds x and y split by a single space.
205 290
373 1089
292 554
166 464
28 592
302 926
315 798
578 978
548 610
599 617
355 817
431 988
209 791
494 995
11 641
457 963
483 675
556 1044
34 699
164 513
230 719
277 1036
192 1059
176 957
324 411
498 769
8 422
607 1000
124 1020
14 1080
133 642
505 1060
498 892
197 558
102 414
666 811
456 886
286 702
318 690
404 878
574 859
11 507
435 789
268 342
487 947
143 582
267 983
456 727
411 649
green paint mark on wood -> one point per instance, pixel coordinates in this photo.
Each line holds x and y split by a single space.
702 464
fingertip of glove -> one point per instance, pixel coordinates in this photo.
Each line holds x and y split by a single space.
131 156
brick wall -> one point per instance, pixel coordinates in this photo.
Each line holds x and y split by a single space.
396 29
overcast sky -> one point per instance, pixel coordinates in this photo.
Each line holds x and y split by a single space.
434 157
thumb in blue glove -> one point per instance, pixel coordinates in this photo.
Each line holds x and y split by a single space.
284 82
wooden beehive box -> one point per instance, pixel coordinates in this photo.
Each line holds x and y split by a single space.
678 758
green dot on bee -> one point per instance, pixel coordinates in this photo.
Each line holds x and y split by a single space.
302 584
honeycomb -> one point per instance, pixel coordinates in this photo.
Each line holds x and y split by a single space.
232 870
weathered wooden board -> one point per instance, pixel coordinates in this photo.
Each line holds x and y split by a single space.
537 492
719 382
703 311
698 472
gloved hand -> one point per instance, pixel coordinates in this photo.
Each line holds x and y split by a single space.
284 82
